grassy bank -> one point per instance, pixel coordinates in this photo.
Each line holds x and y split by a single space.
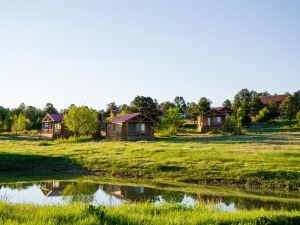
139 214
268 160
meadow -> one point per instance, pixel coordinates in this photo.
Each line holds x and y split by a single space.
258 160
268 160
255 161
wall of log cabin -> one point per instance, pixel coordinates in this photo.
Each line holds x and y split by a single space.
202 123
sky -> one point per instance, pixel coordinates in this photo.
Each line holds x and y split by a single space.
93 52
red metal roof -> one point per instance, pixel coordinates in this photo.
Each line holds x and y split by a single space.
219 110
275 98
56 117
124 118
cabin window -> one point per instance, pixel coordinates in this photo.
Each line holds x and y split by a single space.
208 121
140 127
57 126
47 125
114 127
218 120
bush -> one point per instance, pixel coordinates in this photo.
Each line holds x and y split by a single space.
73 139
170 123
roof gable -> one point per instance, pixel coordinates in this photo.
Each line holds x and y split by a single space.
222 110
57 118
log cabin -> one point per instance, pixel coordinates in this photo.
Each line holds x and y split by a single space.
214 119
130 127
54 127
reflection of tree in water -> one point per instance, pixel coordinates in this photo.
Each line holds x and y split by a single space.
172 197
18 186
79 192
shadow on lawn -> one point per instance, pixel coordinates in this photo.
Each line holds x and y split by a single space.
40 163
280 139
20 138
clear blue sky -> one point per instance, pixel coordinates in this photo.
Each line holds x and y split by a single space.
94 52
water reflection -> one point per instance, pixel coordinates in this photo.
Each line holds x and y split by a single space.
64 192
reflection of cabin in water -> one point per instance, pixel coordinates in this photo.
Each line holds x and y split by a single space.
139 194
214 119
53 188
53 126
136 126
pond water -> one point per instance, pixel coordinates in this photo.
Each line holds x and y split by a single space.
64 192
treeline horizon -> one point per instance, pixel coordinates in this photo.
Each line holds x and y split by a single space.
245 103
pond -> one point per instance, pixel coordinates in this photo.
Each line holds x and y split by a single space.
65 192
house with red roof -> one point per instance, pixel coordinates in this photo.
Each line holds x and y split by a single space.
278 99
53 126
214 119
130 127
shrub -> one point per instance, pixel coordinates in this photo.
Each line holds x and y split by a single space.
170 123
73 139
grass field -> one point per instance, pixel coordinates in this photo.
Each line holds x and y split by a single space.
139 214
267 160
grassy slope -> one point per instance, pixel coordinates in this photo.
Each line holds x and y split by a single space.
268 159
138 214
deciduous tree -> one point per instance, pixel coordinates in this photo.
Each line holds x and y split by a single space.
81 120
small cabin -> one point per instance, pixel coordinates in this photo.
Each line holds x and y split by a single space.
130 127
53 127
213 120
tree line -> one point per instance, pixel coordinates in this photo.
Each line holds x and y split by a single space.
246 106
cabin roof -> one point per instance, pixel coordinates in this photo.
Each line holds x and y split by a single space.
56 117
221 110
127 117
275 98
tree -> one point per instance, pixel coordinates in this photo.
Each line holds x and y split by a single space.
166 105
288 108
273 109
112 108
20 123
81 120
255 105
243 95
171 121
49 108
263 116
180 103
145 105
34 115
243 118
227 103
298 118
296 96
203 105
192 110
4 119
124 109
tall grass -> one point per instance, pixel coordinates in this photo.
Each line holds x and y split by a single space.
139 214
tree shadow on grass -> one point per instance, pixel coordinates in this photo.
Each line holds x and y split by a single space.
38 163
20 138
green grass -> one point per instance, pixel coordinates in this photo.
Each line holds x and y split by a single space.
265 160
139 214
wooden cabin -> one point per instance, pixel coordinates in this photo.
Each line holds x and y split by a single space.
54 127
214 119
130 127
